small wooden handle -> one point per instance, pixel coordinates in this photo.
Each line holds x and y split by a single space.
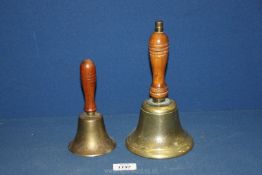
158 51
88 79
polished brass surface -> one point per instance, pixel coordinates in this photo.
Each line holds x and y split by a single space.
91 138
159 133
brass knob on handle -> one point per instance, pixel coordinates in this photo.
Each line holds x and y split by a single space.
88 80
159 26
158 51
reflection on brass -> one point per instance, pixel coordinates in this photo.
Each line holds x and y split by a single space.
91 138
159 133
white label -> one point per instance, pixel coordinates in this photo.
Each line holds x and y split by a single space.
124 166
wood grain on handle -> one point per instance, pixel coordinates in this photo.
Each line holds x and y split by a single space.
88 79
158 51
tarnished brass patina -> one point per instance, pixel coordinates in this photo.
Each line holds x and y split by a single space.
91 138
159 133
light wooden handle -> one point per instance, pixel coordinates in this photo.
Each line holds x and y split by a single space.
158 51
88 79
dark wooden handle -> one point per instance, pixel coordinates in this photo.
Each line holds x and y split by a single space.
158 51
88 79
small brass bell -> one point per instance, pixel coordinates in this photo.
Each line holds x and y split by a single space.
91 138
159 133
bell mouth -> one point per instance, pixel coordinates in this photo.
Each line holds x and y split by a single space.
159 153
89 153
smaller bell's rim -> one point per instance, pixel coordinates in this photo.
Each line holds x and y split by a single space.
90 154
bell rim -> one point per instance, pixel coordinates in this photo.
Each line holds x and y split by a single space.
140 152
93 155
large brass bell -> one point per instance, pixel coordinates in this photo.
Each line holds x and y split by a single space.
159 133
91 138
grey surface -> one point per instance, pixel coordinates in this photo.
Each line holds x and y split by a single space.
225 143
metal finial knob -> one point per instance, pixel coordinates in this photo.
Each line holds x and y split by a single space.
159 26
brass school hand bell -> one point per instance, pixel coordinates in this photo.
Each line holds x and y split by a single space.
159 133
91 138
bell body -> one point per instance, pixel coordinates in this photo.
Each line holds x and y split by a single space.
159 133
91 138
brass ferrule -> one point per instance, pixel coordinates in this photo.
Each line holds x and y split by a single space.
158 100
90 114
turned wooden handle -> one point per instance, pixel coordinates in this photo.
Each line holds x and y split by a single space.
158 51
88 79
